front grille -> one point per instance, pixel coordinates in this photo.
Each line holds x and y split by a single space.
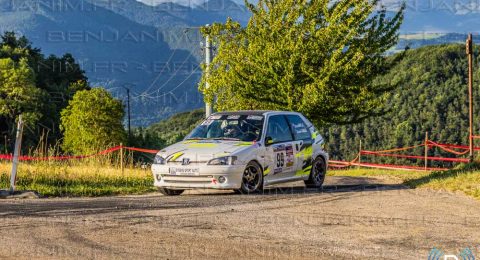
186 179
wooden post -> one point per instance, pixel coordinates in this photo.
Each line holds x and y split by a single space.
16 154
121 158
360 154
426 151
469 51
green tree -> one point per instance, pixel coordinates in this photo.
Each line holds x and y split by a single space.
57 78
318 57
92 121
18 93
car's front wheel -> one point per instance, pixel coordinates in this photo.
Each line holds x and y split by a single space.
170 192
252 180
317 174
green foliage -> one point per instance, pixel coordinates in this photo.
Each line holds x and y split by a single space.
316 57
46 84
92 121
18 94
432 96
178 126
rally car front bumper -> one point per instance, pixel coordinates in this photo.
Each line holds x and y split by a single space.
198 176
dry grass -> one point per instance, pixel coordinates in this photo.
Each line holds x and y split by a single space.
81 178
464 178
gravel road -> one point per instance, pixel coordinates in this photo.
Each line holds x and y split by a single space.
364 218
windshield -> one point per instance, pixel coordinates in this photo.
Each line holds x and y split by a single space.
245 128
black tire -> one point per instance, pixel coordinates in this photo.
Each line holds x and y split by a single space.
170 192
317 173
252 179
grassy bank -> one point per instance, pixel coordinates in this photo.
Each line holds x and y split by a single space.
464 178
77 179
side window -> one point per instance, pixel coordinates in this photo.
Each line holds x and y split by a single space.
278 129
300 130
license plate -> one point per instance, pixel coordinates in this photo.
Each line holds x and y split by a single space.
184 171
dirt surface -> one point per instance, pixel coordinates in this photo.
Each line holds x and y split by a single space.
366 218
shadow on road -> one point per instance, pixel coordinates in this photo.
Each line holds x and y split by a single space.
333 188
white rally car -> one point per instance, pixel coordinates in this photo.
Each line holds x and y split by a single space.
243 151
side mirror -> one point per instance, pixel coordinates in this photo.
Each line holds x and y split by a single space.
268 140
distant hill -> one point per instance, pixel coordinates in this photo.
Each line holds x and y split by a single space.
167 131
177 126
112 49
179 24
155 51
432 96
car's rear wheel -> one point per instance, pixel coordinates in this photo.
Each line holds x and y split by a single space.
252 180
317 173
170 192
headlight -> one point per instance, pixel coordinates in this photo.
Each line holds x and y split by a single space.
158 160
226 160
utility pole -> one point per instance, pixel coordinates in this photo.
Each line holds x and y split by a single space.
469 51
129 116
208 60
128 112
16 154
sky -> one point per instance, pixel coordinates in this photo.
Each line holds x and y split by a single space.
457 7
181 2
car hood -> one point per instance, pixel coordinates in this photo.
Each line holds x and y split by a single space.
203 150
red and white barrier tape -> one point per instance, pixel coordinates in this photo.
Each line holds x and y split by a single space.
342 164
406 156
447 149
75 157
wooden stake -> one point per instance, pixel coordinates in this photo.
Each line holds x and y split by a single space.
469 51
121 158
426 151
16 154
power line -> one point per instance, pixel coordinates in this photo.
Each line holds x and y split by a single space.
145 93
176 87
148 95
160 73
185 80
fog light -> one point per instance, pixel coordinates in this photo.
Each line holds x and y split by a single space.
222 179
159 177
